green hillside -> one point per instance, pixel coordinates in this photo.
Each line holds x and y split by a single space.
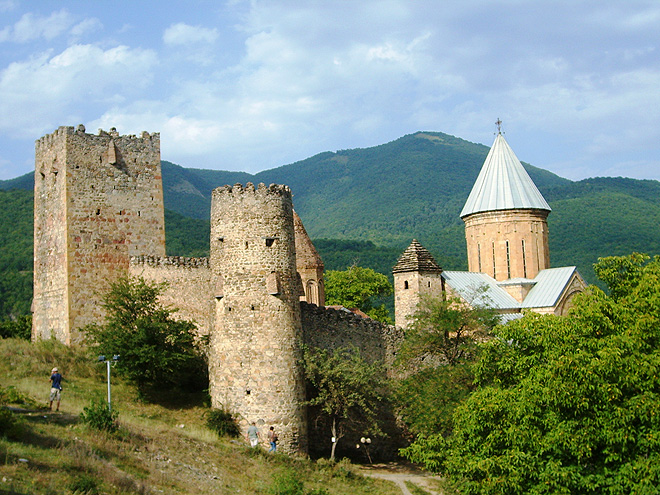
383 197
165 447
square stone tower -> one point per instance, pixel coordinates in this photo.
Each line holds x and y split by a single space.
98 199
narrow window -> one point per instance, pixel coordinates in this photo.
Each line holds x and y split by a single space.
538 258
524 260
405 284
493 246
508 261
479 257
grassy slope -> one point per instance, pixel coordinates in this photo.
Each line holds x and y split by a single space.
158 449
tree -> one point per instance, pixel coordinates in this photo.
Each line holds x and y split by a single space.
20 328
155 348
358 287
565 404
437 353
345 389
445 328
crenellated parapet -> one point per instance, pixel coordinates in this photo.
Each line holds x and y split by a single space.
236 189
170 261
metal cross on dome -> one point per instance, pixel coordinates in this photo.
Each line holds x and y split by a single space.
498 123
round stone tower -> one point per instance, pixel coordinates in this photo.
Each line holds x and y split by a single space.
254 361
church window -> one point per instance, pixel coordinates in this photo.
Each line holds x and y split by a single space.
494 274
538 259
524 260
405 284
479 256
508 260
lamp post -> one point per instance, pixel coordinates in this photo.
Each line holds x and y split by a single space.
115 358
366 442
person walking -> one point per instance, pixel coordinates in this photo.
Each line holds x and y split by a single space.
55 389
253 435
272 439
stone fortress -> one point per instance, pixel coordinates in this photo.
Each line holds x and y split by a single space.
99 216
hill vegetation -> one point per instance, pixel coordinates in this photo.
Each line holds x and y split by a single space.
158 448
364 206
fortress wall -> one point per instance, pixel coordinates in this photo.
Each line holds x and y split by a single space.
188 289
330 328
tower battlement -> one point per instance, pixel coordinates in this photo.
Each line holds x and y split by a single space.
237 189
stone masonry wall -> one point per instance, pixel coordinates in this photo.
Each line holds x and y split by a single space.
188 286
254 359
329 328
409 287
113 209
50 304
527 251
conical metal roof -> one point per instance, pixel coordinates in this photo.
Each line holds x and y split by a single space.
503 184
416 258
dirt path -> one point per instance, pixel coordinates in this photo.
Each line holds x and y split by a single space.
399 474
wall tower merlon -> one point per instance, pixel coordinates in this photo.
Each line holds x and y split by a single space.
238 189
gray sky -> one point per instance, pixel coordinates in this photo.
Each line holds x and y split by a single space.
252 85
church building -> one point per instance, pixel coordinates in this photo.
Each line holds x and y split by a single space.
506 230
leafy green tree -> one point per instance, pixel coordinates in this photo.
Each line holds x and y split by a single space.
565 404
358 287
445 328
155 348
20 328
437 353
344 389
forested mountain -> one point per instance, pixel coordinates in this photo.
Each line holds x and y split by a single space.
364 206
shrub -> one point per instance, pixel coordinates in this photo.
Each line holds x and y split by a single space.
222 422
157 350
84 483
11 426
10 395
98 416
286 483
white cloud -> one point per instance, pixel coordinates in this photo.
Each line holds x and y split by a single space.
31 27
85 27
184 34
43 91
293 78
